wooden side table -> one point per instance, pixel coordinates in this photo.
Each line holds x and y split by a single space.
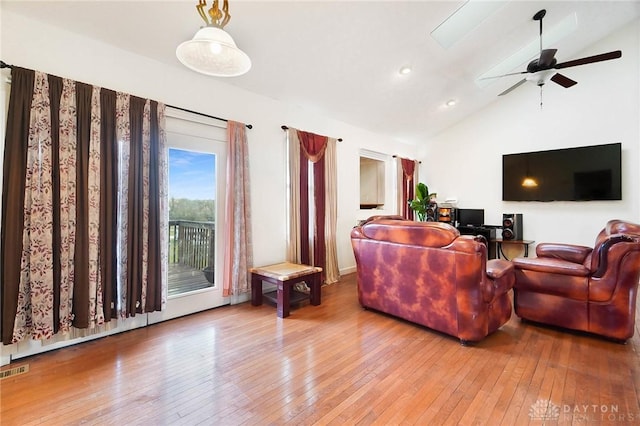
285 275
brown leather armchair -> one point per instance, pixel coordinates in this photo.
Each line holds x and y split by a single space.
583 288
426 273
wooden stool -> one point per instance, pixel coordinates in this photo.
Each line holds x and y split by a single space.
285 276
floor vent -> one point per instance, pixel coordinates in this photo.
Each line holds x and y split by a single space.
14 371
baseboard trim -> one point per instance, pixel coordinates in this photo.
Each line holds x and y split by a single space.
348 270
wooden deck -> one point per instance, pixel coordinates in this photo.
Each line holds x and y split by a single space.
183 279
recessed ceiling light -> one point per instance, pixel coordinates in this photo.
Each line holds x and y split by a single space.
451 103
405 70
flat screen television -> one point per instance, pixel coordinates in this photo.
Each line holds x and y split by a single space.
572 174
470 217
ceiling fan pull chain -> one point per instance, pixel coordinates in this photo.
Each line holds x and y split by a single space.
540 98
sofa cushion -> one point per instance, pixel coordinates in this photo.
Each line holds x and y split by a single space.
426 234
551 265
569 252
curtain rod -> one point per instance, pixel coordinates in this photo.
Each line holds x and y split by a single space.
249 126
395 156
3 64
286 128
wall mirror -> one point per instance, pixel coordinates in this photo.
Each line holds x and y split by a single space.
372 180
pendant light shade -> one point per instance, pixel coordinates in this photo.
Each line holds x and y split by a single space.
212 51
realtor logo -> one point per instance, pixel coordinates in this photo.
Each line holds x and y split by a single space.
544 410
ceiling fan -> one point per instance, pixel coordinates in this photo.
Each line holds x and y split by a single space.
544 68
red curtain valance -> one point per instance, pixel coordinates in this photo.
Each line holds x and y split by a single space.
312 145
408 167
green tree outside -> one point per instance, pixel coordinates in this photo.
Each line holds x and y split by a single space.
196 210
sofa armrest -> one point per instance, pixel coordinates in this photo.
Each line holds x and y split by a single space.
500 278
569 252
497 268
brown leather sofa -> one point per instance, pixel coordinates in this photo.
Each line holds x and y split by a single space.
426 273
583 288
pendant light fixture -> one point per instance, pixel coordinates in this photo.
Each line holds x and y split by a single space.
212 51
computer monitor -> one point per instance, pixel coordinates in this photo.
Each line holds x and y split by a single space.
471 217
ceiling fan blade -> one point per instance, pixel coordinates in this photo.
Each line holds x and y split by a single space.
590 59
513 87
546 58
503 75
563 81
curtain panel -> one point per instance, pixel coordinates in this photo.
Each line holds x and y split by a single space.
238 255
407 180
82 207
312 202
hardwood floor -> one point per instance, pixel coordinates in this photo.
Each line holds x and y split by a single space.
331 364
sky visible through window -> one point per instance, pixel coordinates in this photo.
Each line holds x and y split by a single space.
192 175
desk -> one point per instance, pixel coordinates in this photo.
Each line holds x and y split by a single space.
500 241
285 276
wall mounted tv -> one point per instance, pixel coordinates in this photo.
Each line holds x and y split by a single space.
572 174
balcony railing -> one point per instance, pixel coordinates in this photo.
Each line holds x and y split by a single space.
191 243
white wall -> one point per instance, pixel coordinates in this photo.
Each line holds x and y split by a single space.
31 44
465 161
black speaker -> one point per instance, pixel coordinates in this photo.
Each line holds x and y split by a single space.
512 226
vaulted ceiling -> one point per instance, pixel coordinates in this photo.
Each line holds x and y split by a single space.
342 58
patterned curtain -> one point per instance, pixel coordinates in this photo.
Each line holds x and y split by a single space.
82 210
238 257
407 180
313 202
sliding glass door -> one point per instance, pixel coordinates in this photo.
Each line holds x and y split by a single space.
197 169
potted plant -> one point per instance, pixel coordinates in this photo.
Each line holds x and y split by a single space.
423 201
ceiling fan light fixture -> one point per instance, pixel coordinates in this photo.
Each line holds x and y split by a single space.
540 78
212 50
